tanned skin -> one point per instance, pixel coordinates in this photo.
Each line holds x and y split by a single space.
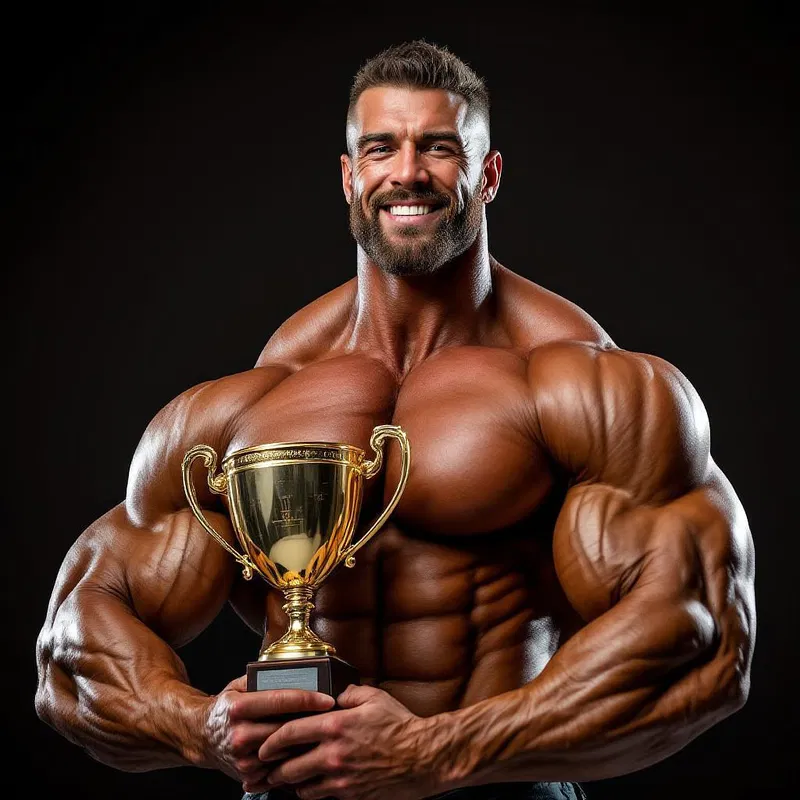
565 591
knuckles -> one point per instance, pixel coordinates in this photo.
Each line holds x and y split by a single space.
239 743
235 709
332 726
334 760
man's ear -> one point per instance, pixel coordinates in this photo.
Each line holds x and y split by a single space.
347 177
492 170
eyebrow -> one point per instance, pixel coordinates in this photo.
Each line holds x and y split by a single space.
427 136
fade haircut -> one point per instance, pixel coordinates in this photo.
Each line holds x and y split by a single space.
421 65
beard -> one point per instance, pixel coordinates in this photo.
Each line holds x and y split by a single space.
419 252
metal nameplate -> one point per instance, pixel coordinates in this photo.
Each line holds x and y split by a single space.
295 678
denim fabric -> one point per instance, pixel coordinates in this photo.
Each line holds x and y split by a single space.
496 791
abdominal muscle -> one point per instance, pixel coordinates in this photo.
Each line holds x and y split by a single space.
442 624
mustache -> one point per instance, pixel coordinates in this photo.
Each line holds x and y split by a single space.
405 196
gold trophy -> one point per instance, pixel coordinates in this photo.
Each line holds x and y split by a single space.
294 508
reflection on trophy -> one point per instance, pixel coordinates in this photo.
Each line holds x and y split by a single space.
294 508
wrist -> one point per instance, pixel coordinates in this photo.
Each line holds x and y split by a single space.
447 755
187 727
476 745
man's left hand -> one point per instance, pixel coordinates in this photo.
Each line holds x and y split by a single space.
371 749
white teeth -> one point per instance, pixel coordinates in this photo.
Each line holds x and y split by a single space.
409 211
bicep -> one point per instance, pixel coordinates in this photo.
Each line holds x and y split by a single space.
177 575
178 578
649 522
682 572
172 577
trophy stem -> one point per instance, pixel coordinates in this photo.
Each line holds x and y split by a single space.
299 641
298 607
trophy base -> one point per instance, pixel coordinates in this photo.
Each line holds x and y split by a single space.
327 674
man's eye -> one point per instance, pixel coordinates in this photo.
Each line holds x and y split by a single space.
440 148
381 148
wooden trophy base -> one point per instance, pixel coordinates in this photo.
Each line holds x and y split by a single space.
328 674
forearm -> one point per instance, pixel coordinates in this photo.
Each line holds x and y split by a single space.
115 688
631 688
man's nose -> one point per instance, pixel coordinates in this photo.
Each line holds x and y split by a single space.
408 169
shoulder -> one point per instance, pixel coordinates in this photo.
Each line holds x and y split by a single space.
210 405
603 369
203 414
612 413
311 331
535 315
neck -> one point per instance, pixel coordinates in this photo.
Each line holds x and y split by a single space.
406 319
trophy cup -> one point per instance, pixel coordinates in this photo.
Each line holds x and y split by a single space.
294 507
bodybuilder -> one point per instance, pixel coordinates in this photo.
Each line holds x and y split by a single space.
565 591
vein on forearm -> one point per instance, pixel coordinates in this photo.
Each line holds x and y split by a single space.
103 666
607 702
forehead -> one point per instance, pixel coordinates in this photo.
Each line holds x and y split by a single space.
399 109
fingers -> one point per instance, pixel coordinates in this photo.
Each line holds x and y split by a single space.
321 790
354 695
277 703
312 764
255 781
251 772
241 752
247 737
307 730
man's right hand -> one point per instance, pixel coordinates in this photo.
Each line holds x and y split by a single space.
239 722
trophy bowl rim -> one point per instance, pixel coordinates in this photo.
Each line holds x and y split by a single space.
353 453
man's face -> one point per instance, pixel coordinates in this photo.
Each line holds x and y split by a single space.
415 180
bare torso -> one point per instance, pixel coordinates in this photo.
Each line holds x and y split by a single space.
561 491
456 599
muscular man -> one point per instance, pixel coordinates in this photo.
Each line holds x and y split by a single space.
565 591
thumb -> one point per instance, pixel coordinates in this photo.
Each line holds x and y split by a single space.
354 696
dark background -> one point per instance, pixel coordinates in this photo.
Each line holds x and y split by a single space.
171 193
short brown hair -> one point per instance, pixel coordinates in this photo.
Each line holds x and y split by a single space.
421 65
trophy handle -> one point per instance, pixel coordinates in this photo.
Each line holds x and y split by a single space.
371 469
218 485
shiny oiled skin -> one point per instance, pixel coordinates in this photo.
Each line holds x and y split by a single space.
554 478
455 600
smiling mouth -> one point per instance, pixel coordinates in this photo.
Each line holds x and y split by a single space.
404 214
410 211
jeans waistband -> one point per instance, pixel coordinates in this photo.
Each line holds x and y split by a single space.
495 791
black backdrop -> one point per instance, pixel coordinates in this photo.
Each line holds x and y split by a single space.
172 193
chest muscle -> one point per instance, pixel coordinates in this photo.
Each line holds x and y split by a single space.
451 578
474 467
